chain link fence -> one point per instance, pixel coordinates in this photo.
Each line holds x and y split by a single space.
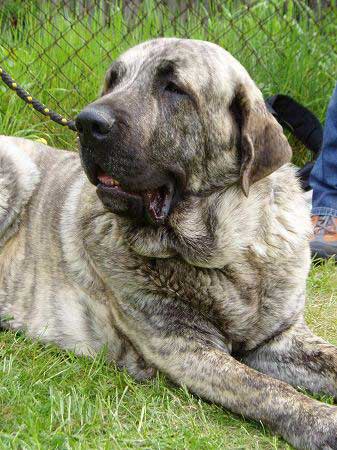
60 50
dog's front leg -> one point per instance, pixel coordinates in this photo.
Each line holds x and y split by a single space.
300 358
190 351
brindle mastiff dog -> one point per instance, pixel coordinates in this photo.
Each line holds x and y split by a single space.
187 249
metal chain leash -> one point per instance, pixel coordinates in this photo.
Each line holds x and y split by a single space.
34 103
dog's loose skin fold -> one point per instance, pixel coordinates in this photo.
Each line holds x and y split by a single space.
214 296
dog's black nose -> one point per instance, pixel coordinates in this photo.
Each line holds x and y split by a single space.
95 122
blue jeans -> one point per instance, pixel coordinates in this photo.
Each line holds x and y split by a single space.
323 179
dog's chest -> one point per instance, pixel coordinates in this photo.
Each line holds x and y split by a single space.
225 297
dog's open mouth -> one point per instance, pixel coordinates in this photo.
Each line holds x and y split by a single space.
154 204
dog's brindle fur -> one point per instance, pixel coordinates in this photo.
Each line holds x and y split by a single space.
215 297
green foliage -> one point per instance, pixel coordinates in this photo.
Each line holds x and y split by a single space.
60 55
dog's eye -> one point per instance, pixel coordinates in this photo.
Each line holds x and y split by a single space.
173 88
114 75
112 79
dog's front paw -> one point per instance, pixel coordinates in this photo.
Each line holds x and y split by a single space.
319 431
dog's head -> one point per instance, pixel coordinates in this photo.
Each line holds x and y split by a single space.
176 118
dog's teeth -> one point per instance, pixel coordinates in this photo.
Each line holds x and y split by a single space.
108 181
112 182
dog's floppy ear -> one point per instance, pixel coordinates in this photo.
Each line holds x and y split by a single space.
263 146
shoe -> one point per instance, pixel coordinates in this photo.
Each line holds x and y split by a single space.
324 242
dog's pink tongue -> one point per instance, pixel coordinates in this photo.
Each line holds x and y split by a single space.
106 179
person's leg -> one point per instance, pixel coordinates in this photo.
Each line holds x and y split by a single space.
323 180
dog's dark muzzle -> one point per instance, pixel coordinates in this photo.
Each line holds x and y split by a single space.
126 183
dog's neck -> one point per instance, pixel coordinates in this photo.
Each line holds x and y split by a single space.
220 230
206 232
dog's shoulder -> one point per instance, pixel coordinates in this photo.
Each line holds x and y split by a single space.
282 242
19 176
22 163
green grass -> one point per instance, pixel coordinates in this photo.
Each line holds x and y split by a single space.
61 57
54 399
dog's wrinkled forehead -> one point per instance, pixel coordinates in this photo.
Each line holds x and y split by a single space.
201 65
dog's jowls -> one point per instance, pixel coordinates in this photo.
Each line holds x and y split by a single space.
186 251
